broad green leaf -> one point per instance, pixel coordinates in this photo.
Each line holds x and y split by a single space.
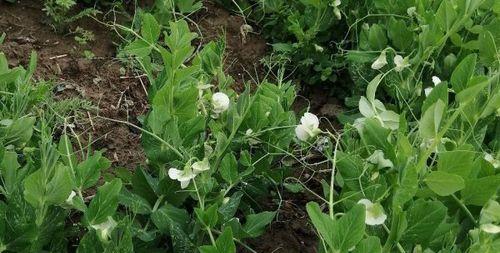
229 208
446 15
225 243
478 191
104 203
463 72
349 229
443 183
471 93
423 219
407 187
377 37
136 203
40 190
371 244
90 243
255 223
8 168
229 168
209 216
89 171
138 48
459 161
172 221
488 51
431 120
440 92
371 89
398 32
342 234
322 222
150 28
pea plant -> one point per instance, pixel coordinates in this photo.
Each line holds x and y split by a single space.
420 39
211 153
44 182
420 173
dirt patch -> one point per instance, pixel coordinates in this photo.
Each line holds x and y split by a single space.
244 50
117 94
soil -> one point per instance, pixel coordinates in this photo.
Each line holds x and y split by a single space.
119 93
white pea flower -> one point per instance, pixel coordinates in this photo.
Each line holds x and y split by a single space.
220 102
200 166
374 213
400 62
104 229
183 176
435 81
336 3
318 48
490 228
380 62
308 128
377 110
378 159
412 11
492 160
69 200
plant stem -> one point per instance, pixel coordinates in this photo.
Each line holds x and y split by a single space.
465 209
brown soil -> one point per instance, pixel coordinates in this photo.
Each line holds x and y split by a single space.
243 49
99 80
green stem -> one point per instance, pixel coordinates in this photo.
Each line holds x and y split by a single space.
465 209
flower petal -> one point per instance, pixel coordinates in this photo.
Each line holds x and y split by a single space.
490 228
201 166
302 133
174 173
380 62
436 80
310 120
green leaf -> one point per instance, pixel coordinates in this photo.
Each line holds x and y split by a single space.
256 223
488 51
150 30
89 171
341 234
431 120
377 38
371 244
463 72
138 48
478 191
136 203
104 203
229 168
459 161
349 229
40 190
446 16
8 168
209 216
407 187
225 243
172 221
423 219
471 93
440 92
400 35
229 208
371 89
443 183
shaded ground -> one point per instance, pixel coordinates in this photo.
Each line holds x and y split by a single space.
116 94
120 94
